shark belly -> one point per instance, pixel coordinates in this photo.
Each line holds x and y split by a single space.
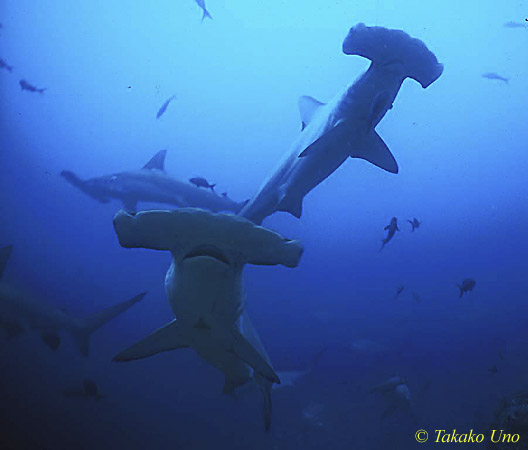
208 312
215 303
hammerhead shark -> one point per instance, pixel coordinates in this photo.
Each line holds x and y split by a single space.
345 127
205 290
150 184
18 310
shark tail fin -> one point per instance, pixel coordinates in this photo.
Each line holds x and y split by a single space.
461 290
87 326
41 91
385 47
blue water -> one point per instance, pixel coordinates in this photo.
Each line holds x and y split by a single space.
461 148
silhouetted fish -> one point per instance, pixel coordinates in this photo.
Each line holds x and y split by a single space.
25 86
4 65
467 286
164 107
495 76
512 24
399 291
391 228
415 223
202 182
201 4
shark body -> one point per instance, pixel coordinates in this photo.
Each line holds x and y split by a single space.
205 291
150 184
345 127
19 311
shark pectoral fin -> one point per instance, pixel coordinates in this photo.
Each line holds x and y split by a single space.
308 107
375 151
5 252
169 337
157 161
288 203
340 136
291 205
248 354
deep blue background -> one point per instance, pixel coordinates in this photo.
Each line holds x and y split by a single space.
461 147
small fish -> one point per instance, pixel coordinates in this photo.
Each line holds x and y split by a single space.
415 223
495 76
493 369
202 182
4 65
416 297
25 86
512 24
201 4
467 285
391 228
399 291
164 107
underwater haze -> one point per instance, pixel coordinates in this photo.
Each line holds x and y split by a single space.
351 317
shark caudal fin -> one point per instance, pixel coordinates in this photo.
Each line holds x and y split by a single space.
169 337
85 327
386 47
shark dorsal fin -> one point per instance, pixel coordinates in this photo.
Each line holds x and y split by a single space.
5 252
157 161
308 106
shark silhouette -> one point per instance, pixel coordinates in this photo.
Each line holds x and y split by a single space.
19 310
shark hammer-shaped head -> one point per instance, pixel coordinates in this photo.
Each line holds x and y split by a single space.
386 47
193 232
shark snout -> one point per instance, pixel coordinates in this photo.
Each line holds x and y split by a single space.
124 227
294 251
